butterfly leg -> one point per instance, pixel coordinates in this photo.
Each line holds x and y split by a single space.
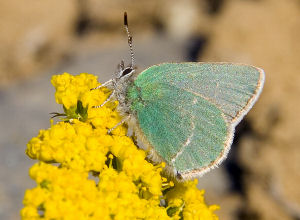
108 84
119 123
107 100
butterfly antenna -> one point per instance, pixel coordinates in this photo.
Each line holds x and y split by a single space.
129 39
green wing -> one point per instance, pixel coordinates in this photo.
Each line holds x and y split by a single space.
186 130
188 111
234 88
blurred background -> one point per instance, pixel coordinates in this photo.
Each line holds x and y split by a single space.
261 177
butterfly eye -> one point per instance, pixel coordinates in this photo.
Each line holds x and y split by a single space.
127 71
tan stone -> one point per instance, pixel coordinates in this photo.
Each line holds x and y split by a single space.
33 33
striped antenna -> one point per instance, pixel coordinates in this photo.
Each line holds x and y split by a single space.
129 39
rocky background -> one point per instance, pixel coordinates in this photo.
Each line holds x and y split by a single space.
259 180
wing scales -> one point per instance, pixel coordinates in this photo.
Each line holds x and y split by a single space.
190 110
186 130
232 87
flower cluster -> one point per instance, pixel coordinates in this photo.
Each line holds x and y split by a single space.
86 173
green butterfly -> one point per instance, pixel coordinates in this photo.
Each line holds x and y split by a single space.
185 113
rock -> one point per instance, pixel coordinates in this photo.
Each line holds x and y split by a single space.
34 35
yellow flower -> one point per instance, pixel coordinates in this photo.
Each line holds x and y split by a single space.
188 200
86 173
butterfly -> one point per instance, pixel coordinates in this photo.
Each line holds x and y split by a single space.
185 113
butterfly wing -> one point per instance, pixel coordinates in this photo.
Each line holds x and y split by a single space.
234 88
188 111
187 131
